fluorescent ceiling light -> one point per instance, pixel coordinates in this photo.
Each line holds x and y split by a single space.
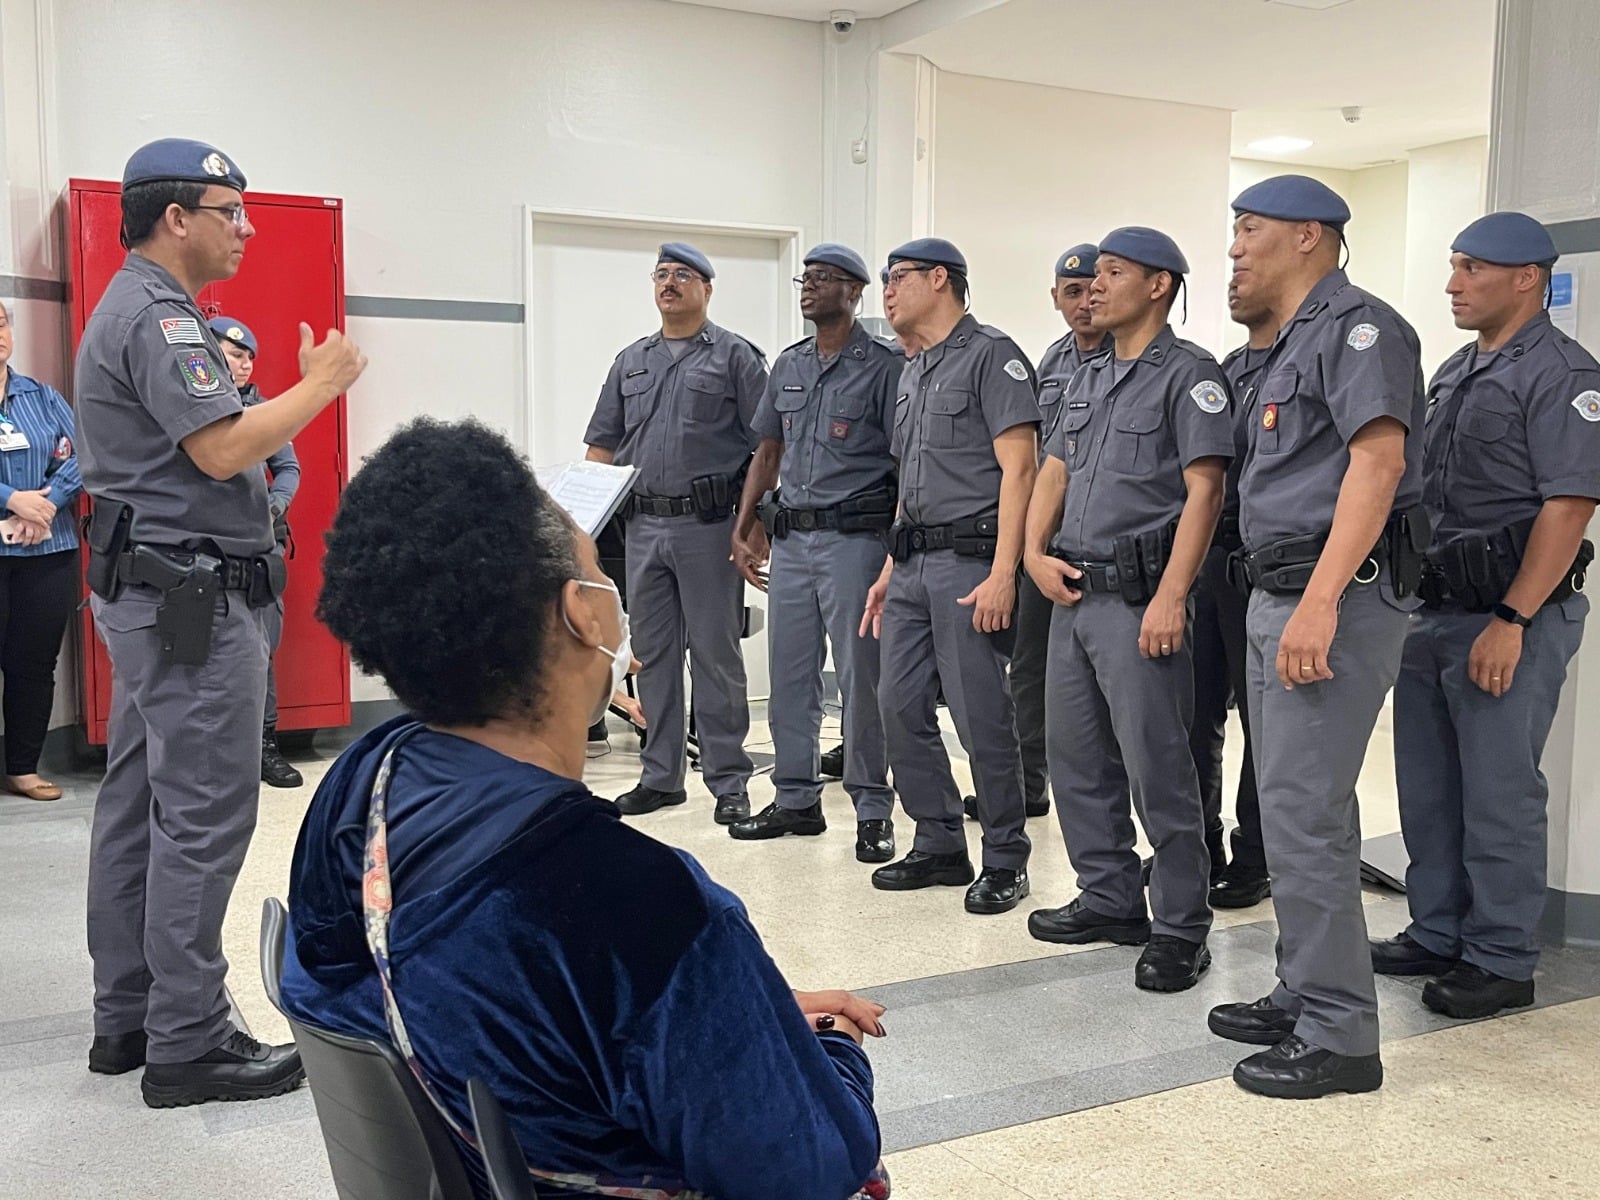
1314 5
1279 145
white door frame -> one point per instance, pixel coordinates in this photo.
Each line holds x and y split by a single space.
788 237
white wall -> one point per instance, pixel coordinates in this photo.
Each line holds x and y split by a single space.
1021 172
1446 194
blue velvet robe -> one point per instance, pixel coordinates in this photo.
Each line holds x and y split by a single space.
617 1001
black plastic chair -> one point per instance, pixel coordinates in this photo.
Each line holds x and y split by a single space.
502 1156
384 1139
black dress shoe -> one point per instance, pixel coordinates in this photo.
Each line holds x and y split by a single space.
1240 887
276 770
734 807
832 763
1259 1023
647 799
997 890
1075 925
117 1053
774 822
1294 1069
919 870
239 1069
874 841
1171 964
1467 992
1030 807
1402 955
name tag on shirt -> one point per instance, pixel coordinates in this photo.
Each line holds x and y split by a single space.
12 438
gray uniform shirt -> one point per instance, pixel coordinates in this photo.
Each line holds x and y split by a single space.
1509 430
1343 361
1129 430
676 420
833 419
149 373
1243 368
955 399
1056 369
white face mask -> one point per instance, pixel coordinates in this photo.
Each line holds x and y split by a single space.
621 657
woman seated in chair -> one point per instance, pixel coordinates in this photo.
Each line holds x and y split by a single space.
458 890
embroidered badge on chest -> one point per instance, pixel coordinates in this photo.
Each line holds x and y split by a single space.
1363 337
1209 395
1588 405
839 430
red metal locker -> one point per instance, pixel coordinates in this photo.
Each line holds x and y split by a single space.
293 271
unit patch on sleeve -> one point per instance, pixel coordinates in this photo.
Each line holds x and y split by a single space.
181 331
1016 370
1209 395
200 374
1588 405
1363 337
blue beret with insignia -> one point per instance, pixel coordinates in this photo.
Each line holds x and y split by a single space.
183 160
831 254
935 251
1507 239
1078 263
1293 198
1147 247
682 252
237 332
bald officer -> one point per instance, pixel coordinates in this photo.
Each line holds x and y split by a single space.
824 424
679 406
183 569
1512 474
1081 343
1121 518
965 424
1333 534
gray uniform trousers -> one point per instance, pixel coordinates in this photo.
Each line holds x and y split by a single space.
172 823
272 617
684 591
1309 745
1034 612
817 591
1472 797
1119 722
928 639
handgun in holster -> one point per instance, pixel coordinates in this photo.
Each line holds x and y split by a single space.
897 540
189 589
1409 534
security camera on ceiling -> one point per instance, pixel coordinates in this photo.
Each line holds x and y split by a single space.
843 20
1351 113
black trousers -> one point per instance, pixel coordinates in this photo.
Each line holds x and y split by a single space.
37 596
1220 650
1032 625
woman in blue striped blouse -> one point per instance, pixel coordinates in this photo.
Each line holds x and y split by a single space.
38 561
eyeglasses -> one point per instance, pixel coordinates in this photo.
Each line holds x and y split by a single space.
234 212
819 279
677 275
898 276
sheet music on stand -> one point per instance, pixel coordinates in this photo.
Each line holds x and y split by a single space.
591 492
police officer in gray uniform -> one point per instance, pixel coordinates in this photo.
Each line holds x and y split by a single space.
1081 343
1512 472
1121 518
182 566
1333 534
824 424
679 405
965 425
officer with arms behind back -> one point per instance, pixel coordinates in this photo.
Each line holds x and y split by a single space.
824 424
1121 517
678 405
1333 534
965 427
182 567
239 347
1512 472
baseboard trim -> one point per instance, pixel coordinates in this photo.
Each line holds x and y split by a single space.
1571 918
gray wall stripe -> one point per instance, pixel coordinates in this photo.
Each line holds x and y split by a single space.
1571 918
490 311
21 287
1576 237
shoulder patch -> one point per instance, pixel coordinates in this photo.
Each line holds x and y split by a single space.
181 331
200 374
1210 396
1363 337
1588 405
1016 370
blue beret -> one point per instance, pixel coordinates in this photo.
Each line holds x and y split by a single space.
1508 239
930 250
1078 263
682 252
1147 247
832 254
883 276
183 160
233 331
1293 198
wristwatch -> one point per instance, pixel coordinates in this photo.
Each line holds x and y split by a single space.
1506 613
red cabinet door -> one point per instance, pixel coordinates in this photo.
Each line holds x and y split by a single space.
293 271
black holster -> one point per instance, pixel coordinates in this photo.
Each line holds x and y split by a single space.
870 512
715 496
190 584
107 533
1405 540
1473 574
1141 559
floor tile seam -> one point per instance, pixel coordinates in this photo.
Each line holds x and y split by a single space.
983 1170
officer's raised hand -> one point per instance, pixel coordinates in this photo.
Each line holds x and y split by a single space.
992 602
334 364
1053 578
